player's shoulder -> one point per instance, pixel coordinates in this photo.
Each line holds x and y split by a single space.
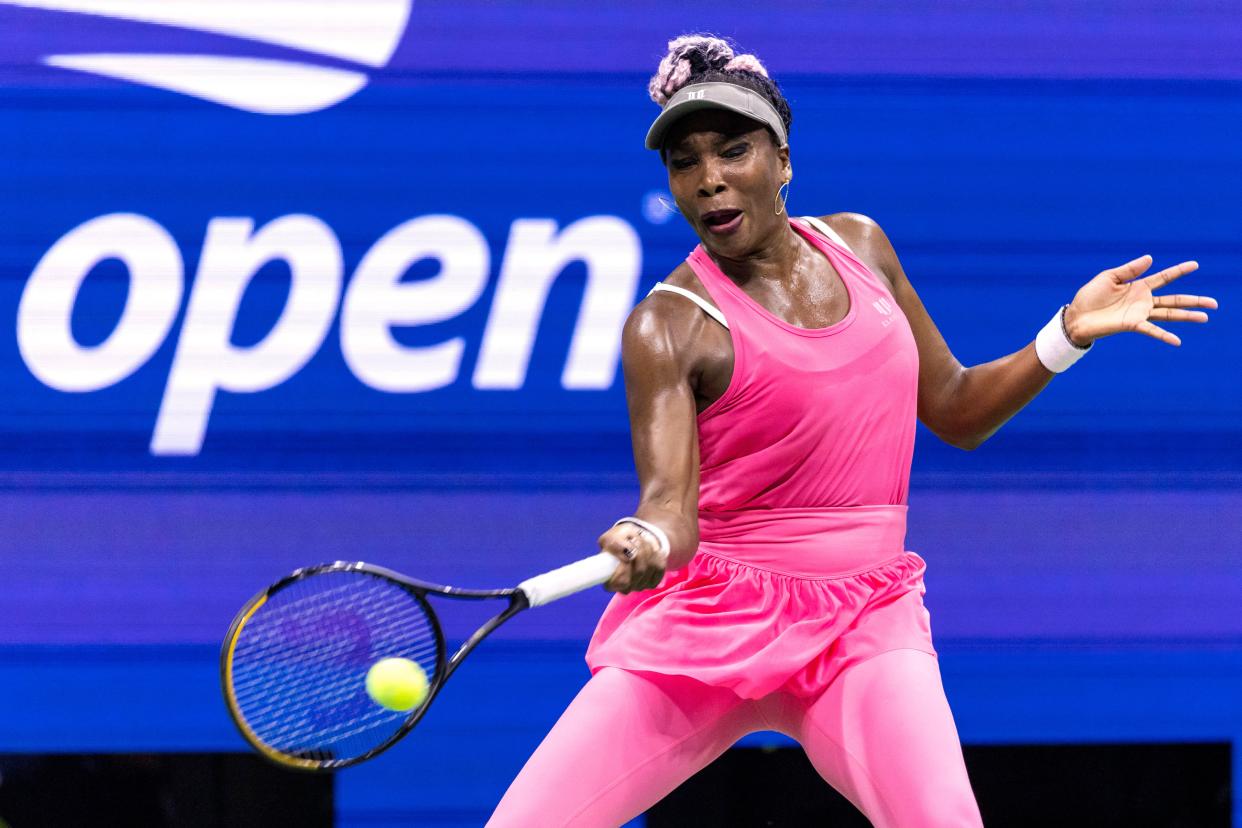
867 239
684 277
663 307
663 322
855 228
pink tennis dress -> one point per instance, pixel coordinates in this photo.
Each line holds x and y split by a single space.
801 569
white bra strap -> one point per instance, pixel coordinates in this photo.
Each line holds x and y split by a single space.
710 309
826 230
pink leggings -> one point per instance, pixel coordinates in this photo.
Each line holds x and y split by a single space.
881 734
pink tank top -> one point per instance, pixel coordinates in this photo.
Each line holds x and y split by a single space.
805 461
813 420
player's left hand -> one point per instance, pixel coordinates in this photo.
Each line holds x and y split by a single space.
1118 300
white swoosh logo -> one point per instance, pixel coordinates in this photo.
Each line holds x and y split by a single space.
366 32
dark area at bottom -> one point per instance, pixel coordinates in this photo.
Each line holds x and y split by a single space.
1131 785
159 790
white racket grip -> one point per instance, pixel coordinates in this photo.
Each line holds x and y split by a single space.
568 579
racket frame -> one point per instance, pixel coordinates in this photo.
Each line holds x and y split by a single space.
444 667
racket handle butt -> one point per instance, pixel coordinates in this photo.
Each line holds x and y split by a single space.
568 579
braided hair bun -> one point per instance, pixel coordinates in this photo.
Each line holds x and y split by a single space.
695 59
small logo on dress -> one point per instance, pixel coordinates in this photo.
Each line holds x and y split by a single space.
885 308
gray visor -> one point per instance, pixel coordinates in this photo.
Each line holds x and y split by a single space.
715 95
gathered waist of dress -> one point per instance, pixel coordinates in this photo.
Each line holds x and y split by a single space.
823 542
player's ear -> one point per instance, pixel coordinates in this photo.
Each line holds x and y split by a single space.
782 155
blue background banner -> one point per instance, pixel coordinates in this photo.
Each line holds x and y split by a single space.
385 326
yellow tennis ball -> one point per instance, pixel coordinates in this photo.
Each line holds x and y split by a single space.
397 683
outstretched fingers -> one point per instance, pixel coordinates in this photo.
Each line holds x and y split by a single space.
1130 270
1172 308
1158 280
1156 332
1175 315
1184 300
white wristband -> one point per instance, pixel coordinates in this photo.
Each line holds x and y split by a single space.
653 530
1053 345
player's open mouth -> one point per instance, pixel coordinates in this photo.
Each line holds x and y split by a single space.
722 222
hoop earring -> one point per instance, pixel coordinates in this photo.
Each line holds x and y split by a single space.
669 206
779 206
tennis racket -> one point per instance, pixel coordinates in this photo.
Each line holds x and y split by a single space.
295 661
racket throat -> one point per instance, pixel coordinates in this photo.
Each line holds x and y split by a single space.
517 602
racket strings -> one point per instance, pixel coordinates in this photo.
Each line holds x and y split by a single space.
300 662
271 657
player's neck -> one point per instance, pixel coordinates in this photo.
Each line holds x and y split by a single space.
774 260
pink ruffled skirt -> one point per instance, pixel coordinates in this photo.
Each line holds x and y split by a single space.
775 599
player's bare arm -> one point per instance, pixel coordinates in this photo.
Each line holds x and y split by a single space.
660 364
966 405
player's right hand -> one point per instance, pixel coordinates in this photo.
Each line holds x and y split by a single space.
645 570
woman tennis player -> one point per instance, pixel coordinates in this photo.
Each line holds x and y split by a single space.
773 382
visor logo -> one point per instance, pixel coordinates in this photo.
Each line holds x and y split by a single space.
361 34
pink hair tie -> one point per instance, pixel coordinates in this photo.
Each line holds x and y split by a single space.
746 63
